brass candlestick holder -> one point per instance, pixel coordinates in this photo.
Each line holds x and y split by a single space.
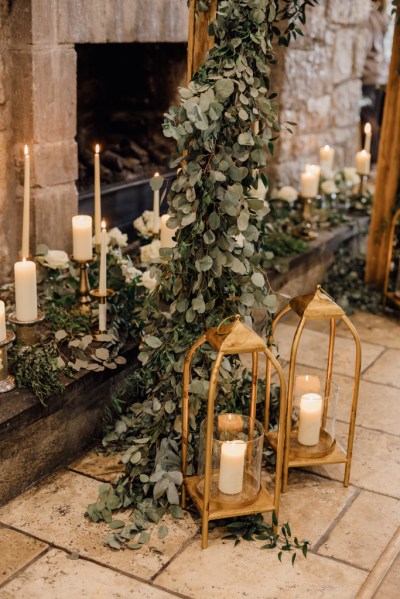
84 299
26 330
7 381
359 200
306 228
102 299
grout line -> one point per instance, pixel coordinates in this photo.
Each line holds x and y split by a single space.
66 550
343 562
91 476
335 521
381 569
187 543
368 428
25 566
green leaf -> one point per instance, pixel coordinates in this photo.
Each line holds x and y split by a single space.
117 524
204 263
162 531
156 183
177 511
143 538
223 89
152 341
246 139
258 279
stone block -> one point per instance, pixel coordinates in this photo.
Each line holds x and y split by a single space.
346 103
359 52
347 142
54 208
306 74
348 12
44 21
20 17
343 55
22 114
54 163
54 94
315 28
85 23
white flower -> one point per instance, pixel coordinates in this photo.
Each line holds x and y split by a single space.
144 224
261 190
329 187
56 259
150 253
350 174
116 237
148 281
130 273
287 193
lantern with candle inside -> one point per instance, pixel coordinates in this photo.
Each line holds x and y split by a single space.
311 408
228 481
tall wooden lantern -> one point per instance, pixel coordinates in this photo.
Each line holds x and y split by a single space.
228 481
310 440
391 292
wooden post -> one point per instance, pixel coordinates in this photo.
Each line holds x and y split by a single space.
388 172
199 42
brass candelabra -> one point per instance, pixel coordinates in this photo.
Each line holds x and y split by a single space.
7 381
102 299
84 300
26 330
306 228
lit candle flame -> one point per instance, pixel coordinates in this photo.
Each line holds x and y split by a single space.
97 148
26 150
326 148
103 224
367 128
157 175
24 259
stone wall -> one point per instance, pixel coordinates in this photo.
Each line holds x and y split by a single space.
38 101
318 78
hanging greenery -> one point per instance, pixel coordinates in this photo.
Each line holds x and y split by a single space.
216 267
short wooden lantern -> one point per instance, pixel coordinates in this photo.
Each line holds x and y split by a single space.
301 448
391 292
229 484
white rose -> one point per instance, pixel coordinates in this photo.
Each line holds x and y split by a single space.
150 253
56 259
130 273
261 190
148 281
329 187
116 237
350 174
287 193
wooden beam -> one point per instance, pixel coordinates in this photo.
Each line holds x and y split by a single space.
388 172
199 42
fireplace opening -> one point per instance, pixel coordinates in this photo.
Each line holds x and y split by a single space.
123 92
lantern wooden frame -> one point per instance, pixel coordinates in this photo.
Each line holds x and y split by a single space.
315 306
234 338
391 295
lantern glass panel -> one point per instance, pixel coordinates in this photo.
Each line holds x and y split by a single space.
237 447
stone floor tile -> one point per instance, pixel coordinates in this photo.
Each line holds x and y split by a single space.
16 550
229 572
386 369
364 531
374 328
375 463
390 586
98 465
313 350
54 576
53 511
378 406
312 503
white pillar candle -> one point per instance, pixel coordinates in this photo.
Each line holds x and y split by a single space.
103 261
25 290
82 237
231 467
307 383
326 156
310 182
363 162
26 210
3 331
166 234
368 135
156 210
313 168
97 197
310 419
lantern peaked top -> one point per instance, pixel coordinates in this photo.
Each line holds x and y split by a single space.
234 338
316 306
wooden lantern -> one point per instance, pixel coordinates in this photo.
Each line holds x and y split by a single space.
228 339
392 295
315 306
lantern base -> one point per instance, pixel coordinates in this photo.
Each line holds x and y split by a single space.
221 500
392 297
263 502
314 455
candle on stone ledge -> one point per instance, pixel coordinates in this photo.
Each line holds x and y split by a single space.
97 197
82 237
3 331
326 156
368 136
26 209
310 419
363 162
25 290
156 210
166 234
231 467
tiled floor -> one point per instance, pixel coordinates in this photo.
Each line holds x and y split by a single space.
49 550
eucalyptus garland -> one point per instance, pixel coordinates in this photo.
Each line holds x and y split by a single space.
224 129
